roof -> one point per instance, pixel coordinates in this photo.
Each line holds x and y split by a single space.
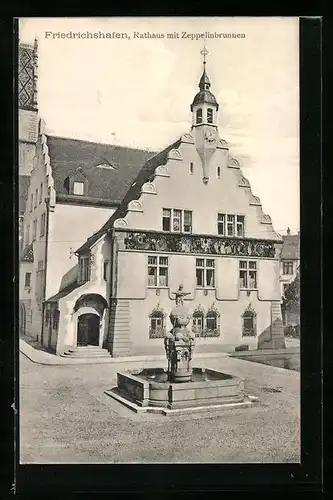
204 96
64 292
24 181
28 254
108 184
290 248
69 278
146 173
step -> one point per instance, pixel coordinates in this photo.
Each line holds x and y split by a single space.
101 354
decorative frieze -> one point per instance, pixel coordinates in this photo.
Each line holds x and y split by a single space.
179 243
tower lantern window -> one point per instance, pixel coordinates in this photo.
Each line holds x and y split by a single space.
199 115
209 115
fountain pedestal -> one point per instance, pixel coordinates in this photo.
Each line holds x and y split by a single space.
179 346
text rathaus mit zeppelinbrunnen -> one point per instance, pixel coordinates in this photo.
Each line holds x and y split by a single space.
139 35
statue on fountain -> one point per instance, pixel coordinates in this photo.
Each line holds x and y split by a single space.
179 342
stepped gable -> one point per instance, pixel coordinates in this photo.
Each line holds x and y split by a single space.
109 169
146 174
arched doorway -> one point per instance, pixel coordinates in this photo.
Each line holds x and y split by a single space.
88 329
22 319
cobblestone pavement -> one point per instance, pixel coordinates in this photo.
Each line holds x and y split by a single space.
65 417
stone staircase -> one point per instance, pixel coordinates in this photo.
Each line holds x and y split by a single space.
85 352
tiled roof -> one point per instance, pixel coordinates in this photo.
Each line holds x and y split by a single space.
133 193
28 254
24 181
106 184
290 248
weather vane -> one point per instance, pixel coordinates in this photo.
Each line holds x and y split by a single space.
204 52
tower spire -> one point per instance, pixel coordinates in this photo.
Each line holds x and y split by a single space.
204 83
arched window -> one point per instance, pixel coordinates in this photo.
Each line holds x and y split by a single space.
198 321
249 322
209 115
199 115
157 323
212 323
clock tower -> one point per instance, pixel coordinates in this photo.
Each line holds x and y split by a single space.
204 118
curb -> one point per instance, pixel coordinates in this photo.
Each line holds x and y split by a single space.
45 358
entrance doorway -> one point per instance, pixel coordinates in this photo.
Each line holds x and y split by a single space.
88 330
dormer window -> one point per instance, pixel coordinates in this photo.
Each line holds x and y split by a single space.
77 183
78 188
199 115
209 115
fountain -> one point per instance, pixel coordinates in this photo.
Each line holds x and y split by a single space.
180 386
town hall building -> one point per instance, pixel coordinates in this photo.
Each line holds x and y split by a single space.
185 216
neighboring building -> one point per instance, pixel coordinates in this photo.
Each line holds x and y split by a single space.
289 260
27 120
188 216
75 186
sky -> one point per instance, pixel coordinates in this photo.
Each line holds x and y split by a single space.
137 91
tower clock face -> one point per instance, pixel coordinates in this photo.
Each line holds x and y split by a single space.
210 135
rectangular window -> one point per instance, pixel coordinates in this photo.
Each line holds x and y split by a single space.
84 270
36 198
78 188
240 225
209 115
31 202
199 115
41 194
247 275
158 271
34 230
205 273
187 221
288 267
27 281
218 172
220 224
105 270
191 168
166 222
42 225
230 225
177 220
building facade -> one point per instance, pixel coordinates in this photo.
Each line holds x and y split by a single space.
289 260
188 218
73 190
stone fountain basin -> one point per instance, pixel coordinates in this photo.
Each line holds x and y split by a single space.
149 387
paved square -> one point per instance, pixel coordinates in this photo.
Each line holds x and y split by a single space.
65 417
